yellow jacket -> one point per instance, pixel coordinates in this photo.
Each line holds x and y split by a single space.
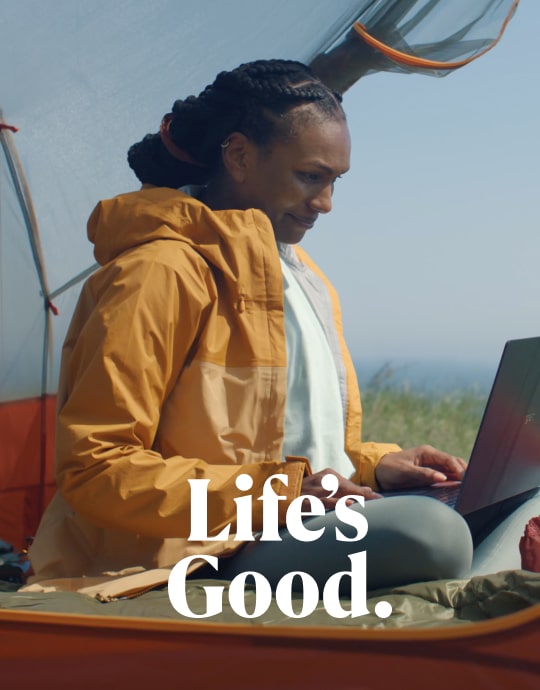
174 367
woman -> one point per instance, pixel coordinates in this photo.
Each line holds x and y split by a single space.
208 346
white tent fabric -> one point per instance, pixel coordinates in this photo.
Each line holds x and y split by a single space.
83 81
21 339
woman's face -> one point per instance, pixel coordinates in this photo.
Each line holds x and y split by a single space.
292 180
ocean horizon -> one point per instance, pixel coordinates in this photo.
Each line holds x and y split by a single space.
426 376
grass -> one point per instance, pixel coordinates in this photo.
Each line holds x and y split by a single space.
399 414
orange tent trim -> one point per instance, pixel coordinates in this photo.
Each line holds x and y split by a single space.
418 62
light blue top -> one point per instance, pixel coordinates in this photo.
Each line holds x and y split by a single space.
314 419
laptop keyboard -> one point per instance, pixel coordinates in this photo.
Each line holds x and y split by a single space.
446 494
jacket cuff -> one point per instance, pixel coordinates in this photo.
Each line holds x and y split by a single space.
371 454
296 468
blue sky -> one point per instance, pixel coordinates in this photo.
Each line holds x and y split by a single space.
434 239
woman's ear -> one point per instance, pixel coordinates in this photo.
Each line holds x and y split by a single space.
238 155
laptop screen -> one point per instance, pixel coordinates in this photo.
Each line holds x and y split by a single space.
505 460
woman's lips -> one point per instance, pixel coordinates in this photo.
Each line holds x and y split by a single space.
303 221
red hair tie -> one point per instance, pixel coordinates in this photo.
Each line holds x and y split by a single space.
172 148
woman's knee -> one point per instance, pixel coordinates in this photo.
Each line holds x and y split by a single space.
438 539
415 538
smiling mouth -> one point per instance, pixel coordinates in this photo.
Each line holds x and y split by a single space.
304 222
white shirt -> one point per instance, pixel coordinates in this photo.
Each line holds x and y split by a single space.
314 416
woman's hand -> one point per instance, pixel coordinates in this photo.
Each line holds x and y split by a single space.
312 486
418 466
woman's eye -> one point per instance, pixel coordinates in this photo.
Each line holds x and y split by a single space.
316 178
310 177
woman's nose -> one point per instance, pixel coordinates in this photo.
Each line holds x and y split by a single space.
322 201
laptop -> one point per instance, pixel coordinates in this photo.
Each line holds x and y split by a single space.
504 468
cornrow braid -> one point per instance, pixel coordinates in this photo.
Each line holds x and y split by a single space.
253 99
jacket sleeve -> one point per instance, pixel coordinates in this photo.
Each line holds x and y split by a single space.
364 455
130 337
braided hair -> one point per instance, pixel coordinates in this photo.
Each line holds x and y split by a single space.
254 99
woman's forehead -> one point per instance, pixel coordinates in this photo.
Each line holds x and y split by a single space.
325 142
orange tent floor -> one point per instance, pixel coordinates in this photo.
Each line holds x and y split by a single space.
58 651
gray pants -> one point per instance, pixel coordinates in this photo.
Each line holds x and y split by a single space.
500 549
410 539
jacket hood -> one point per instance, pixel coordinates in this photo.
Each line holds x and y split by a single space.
158 213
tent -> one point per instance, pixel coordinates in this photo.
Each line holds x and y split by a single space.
81 82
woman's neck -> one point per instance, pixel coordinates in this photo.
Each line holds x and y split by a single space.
220 197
